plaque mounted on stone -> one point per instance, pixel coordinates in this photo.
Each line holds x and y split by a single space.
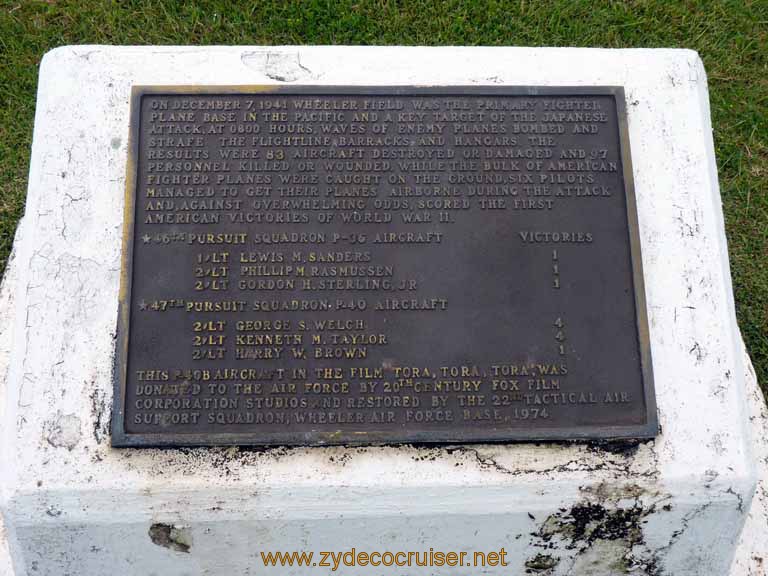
316 265
675 504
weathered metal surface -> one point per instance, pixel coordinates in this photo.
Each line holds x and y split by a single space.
315 265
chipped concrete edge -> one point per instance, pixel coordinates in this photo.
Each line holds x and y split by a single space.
7 285
6 566
751 557
742 361
17 275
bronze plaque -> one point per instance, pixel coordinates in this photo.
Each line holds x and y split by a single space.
368 265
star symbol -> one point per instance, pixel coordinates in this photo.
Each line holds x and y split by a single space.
146 238
143 305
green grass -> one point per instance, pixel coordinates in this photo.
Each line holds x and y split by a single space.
730 35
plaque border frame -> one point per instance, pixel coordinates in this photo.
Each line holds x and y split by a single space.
121 439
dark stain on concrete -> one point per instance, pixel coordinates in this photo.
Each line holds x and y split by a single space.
171 537
540 563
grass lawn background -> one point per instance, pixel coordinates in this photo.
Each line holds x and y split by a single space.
730 35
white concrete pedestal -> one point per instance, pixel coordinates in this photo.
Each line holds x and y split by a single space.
73 505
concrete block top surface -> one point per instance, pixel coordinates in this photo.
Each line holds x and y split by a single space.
57 344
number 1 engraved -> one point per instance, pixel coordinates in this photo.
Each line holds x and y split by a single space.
555 270
560 336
